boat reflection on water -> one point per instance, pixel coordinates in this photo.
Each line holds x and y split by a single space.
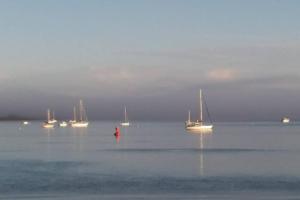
201 155
79 136
118 138
201 134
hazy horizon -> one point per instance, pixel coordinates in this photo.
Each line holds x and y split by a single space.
152 57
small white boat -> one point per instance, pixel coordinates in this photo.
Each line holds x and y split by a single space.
285 120
47 125
82 122
126 122
63 124
199 124
25 122
74 116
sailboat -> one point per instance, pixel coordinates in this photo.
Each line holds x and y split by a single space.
126 122
48 123
188 122
199 124
82 122
53 120
74 116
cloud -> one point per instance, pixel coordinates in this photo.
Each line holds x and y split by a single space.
142 80
285 81
222 74
116 75
126 79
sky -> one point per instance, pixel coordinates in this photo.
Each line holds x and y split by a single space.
152 57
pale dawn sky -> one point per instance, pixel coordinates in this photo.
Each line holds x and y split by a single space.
152 56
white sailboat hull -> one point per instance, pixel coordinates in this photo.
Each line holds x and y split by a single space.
80 124
125 124
199 127
47 125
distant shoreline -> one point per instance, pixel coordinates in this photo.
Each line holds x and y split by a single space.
23 118
16 118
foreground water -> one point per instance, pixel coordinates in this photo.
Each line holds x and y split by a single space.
150 161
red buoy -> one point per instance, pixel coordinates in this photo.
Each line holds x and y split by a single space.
117 133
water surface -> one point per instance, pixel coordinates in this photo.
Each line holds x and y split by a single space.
150 161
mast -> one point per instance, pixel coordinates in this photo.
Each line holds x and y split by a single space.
74 113
48 115
80 110
125 114
189 119
201 114
84 114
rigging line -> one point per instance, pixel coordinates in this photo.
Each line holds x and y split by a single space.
206 108
85 115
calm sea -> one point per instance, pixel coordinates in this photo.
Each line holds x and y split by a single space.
150 161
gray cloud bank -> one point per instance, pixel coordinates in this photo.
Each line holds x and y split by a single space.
247 82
